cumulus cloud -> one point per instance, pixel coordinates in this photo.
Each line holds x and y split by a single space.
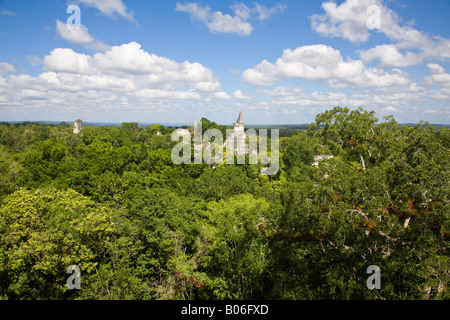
438 77
73 35
389 56
6 68
79 36
166 94
321 62
68 61
394 97
285 96
217 22
131 59
239 94
132 63
124 77
398 100
110 8
445 112
349 20
221 95
258 11
395 55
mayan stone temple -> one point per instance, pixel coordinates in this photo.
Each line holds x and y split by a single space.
236 140
77 126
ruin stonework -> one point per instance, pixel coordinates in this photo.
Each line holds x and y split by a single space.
236 140
239 125
183 132
77 126
319 158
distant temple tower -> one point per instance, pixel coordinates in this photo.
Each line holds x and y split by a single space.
77 126
236 140
239 125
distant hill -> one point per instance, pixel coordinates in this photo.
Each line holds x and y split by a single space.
95 124
285 130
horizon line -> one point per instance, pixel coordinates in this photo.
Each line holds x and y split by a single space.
184 124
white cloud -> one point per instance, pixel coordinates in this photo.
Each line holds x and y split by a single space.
131 59
4 12
288 111
224 23
400 101
349 19
439 112
265 13
390 109
285 96
438 76
68 61
222 95
6 68
79 36
217 22
241 10
166 94
239 94
321 62
393 97
390 56
34 60
197 12
123 78
32 94
258 11
73 35
109 8
435 69
207 84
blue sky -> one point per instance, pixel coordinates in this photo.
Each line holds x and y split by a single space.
280 62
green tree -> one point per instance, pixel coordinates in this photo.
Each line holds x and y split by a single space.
345 129
239 262
298 156
9 172
223 182
42 233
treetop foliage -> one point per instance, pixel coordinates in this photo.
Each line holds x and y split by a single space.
111 201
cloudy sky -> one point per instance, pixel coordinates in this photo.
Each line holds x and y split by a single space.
280 62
